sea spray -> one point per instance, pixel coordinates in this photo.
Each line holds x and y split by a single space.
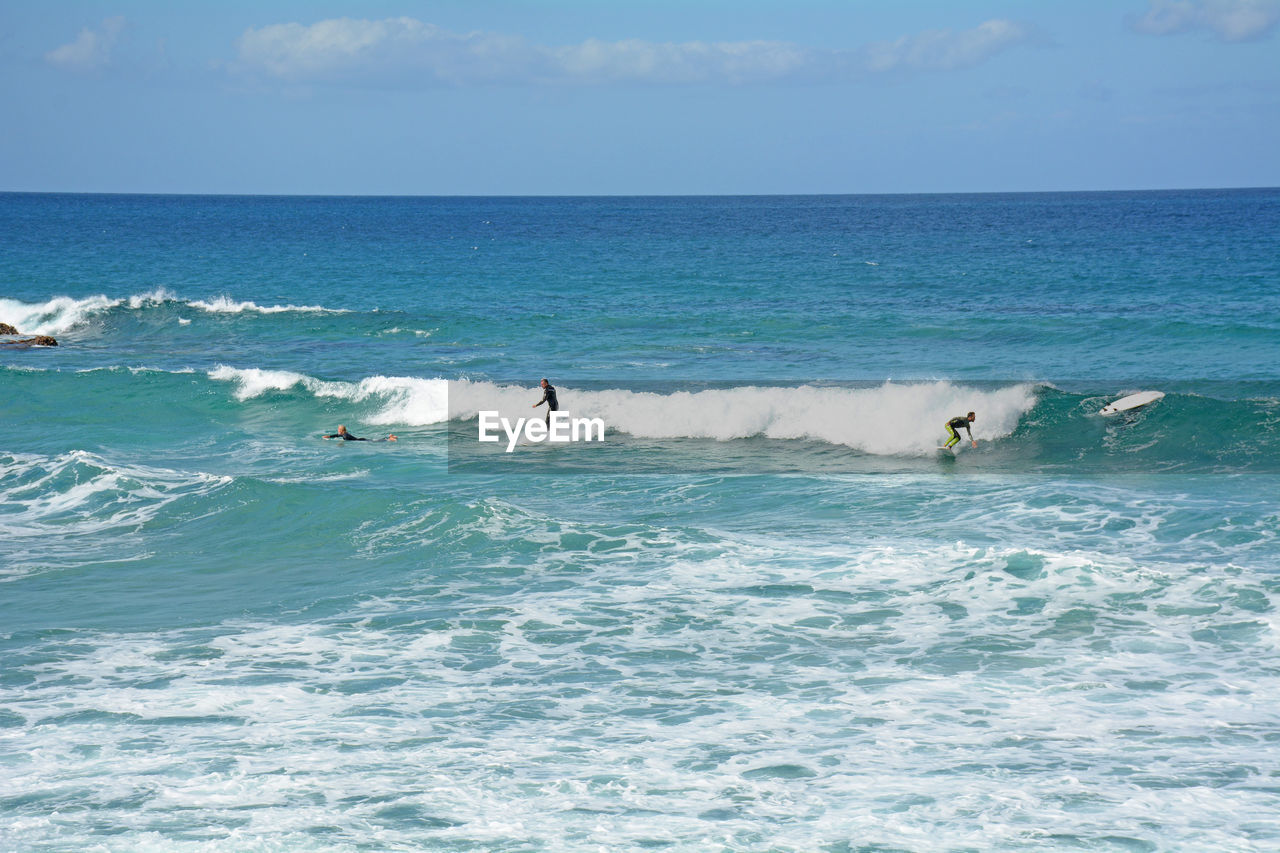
402 399
64 313
54 316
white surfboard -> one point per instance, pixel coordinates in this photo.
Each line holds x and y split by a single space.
1133 401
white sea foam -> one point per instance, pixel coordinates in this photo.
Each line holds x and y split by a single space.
62 313
159 296
889 419
401 400
421 333
226 305
140 369
718 692
69 503
319 478
55 316
253 382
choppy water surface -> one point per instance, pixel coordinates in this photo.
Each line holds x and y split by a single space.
766 616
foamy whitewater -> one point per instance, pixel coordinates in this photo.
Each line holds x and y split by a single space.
764 614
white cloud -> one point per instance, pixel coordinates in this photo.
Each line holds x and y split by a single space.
687 62
409 52
345 48
1241 20
1167 16
1231 20
91 50
410 49
946 50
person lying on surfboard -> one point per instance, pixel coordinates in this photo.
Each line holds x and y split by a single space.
346 436
953 430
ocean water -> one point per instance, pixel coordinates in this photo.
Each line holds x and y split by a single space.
764 615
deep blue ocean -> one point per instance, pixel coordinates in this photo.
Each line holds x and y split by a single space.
764 615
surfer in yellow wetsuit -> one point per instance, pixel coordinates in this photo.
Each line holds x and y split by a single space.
953 430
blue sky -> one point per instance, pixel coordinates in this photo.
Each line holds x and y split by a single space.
646 97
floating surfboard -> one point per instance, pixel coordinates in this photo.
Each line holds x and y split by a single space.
1133 401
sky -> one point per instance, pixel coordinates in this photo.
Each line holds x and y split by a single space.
637 97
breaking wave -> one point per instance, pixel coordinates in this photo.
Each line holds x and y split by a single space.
1032 422
63 313
888 419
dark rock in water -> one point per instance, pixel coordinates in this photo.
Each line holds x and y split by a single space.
36 341
25 343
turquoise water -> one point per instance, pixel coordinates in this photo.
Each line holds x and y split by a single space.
764 615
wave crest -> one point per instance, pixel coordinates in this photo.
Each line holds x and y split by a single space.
888 419
403 400
226 305
62 313
54 316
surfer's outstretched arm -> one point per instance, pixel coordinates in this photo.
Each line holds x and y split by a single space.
953 430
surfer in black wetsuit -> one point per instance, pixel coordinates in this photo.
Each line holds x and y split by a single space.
346 436
953 430
548 397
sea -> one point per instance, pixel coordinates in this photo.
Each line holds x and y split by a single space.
763 613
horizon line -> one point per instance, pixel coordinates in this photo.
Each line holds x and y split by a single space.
629 195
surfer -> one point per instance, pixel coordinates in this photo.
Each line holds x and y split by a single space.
548 397
346 436
953 430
